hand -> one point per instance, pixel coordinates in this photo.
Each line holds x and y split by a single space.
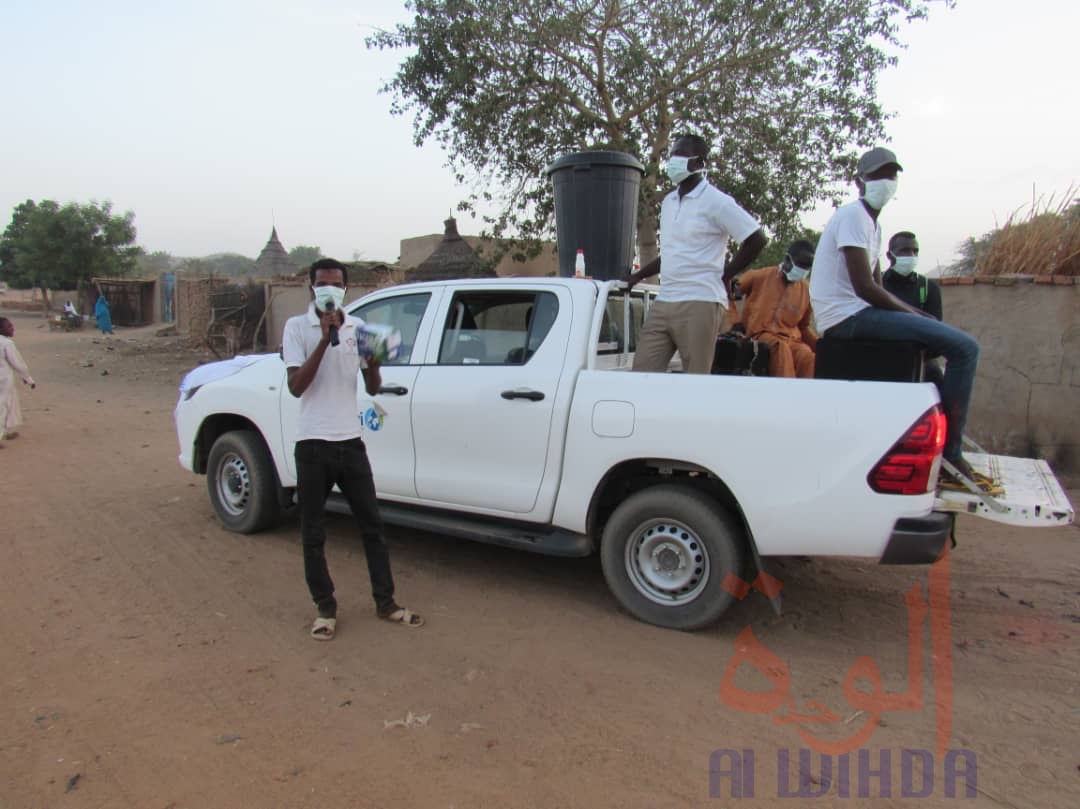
631 279
328 319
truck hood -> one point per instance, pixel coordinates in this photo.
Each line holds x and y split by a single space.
213 371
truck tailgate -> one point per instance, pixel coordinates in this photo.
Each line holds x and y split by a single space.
1033 497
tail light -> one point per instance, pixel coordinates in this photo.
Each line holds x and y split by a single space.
911 466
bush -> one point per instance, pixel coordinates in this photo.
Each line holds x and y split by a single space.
1043 241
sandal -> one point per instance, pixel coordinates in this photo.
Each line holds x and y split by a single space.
402 616
323 628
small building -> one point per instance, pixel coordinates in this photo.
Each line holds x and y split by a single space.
274 259
453 258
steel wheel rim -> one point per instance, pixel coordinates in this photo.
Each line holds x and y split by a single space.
667 562
233 484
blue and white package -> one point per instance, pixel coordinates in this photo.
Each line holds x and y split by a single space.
378 341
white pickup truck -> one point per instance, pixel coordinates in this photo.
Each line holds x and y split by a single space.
511 417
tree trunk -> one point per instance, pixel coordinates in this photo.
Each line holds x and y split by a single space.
646 237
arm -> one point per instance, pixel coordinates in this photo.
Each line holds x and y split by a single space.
16 361
748 251
933 300
372 376
862 281
806 330
300 378
648 271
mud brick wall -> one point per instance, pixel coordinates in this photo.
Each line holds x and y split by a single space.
1027 390
193 303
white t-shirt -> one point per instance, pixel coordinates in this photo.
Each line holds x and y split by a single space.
328 408
831 294
694 235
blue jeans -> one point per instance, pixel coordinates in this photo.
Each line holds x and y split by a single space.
959 348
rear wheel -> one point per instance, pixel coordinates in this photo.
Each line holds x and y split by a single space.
242 482
665 551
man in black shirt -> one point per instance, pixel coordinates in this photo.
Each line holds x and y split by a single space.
913 288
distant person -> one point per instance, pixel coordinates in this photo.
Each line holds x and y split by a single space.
851 304
776 312
70 315
102 313
914 289
329 448
11 365
697 220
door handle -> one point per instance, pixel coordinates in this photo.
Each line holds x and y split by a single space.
531 395
394 390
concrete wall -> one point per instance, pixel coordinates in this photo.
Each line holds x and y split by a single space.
1027 391
418 248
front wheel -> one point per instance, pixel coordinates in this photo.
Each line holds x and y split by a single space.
242 482
665 551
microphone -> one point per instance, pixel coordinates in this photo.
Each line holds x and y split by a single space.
333 329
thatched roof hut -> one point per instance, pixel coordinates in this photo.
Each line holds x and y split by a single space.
452 259
274 260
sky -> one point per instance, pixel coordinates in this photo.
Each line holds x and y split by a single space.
214 121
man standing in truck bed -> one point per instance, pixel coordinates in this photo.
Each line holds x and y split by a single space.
697 220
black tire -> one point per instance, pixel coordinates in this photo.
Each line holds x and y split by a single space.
242 482
691 542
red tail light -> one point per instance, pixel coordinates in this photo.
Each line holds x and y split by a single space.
910 466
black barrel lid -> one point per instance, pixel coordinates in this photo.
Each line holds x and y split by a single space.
596 158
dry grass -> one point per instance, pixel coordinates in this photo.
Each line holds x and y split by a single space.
1044 240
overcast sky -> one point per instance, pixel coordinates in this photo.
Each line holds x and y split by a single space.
213 120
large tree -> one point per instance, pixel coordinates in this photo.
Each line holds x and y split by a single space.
59 245
784 91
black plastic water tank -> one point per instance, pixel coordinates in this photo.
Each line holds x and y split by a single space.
596 204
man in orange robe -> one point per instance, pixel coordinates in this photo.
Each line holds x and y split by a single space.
777 312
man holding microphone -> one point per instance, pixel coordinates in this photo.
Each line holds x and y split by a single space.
321 358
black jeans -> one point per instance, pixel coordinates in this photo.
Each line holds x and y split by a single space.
319 465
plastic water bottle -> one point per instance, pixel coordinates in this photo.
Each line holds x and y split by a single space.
579 264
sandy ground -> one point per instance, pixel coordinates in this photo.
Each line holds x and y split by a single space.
151 659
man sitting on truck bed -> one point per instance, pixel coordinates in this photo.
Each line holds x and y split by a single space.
696 222
777 312
851 304
914 289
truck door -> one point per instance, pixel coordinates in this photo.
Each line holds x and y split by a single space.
484 402
386 418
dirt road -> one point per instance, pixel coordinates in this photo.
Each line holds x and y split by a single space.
150 659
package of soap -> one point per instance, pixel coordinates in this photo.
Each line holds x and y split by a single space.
378 341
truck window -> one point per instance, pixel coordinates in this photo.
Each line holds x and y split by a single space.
613 329
403 312
496 327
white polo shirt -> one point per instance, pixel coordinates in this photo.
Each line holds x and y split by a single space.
328 408
694 235
831 293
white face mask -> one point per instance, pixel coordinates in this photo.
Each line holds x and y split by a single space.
325 295
905 265
677 170
878 192
794 273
